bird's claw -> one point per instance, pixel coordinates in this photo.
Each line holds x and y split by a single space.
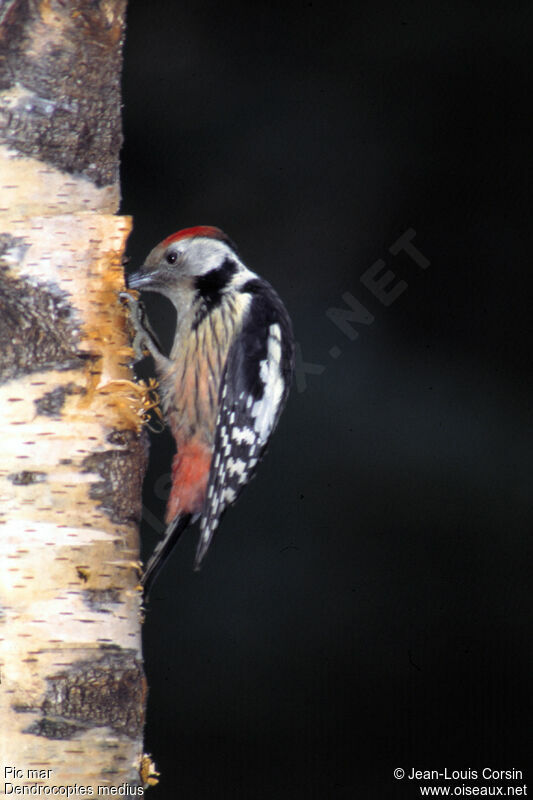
139 323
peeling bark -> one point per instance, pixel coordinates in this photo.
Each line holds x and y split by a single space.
72 688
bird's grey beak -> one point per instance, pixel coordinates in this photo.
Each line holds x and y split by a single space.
138 280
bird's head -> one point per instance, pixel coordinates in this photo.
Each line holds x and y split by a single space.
185 260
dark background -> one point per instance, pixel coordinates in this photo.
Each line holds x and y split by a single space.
367 603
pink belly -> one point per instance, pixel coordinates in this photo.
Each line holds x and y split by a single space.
190 472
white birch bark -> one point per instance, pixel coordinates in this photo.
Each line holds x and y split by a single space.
72 688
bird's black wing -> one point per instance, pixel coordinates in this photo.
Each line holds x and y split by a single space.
254 387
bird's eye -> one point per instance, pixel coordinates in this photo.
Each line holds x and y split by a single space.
172 257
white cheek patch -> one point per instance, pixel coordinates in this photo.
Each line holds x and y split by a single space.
265 410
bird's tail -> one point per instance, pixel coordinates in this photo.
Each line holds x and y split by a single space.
208 526
162 551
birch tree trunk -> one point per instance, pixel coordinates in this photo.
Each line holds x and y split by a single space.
72 458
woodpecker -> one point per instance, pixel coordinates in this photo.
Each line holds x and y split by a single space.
225 382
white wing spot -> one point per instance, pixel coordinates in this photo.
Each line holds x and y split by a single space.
265 410
237 467
275 349
240 435
230 495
